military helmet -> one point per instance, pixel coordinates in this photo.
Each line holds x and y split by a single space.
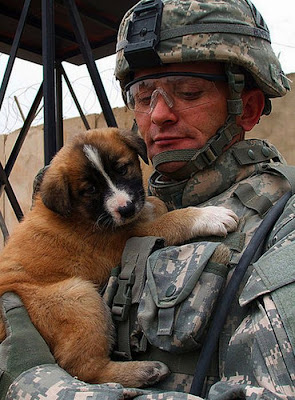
156 32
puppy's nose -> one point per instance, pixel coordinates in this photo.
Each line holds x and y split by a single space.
128 210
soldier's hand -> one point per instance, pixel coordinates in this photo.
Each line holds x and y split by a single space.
23 347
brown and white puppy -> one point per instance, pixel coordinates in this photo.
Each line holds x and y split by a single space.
90 202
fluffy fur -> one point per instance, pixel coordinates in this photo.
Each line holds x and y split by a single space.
90 202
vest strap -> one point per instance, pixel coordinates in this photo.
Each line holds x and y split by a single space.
248 153
182 363
130 285
247 195
234 240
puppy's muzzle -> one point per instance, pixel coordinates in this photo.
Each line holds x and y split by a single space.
127 211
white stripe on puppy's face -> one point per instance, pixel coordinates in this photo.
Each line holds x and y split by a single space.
118 197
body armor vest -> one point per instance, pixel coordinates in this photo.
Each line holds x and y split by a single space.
249 178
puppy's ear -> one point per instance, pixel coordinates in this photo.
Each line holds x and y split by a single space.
135 142
55 193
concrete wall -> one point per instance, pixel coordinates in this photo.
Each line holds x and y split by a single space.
278 128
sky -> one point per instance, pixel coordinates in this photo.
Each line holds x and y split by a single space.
26 77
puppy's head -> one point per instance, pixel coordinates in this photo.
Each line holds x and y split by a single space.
97 178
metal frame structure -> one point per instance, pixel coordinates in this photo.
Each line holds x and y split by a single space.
50 90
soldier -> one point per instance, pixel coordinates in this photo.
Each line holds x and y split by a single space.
198 75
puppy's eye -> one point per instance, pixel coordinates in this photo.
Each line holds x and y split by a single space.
90 190
122 169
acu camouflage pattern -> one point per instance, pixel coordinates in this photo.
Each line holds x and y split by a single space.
52 382
253 53
256 349
182 288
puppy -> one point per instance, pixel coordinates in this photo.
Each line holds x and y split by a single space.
90 202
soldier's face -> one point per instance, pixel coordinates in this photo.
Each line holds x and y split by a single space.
166 128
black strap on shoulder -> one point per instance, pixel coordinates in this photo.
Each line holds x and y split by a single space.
131 282
223 306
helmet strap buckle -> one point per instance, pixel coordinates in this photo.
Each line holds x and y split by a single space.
236 84
199 159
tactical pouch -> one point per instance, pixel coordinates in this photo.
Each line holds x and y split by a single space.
181 289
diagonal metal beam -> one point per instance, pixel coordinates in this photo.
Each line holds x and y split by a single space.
88 57
3 227
13 50
23 132
85 122
10 194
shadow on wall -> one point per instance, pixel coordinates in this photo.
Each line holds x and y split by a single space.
277 128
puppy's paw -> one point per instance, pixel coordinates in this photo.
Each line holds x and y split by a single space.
215 221
153 371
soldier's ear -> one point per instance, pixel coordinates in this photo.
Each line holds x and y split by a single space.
253 105
136 143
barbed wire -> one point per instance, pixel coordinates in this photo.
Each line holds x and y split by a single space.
11 117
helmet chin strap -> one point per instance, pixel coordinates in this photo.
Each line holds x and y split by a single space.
198 159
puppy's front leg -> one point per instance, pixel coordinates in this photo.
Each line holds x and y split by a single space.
153 209
180 225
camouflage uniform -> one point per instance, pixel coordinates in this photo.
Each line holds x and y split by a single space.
255 357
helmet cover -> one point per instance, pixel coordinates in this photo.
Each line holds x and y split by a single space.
230 31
